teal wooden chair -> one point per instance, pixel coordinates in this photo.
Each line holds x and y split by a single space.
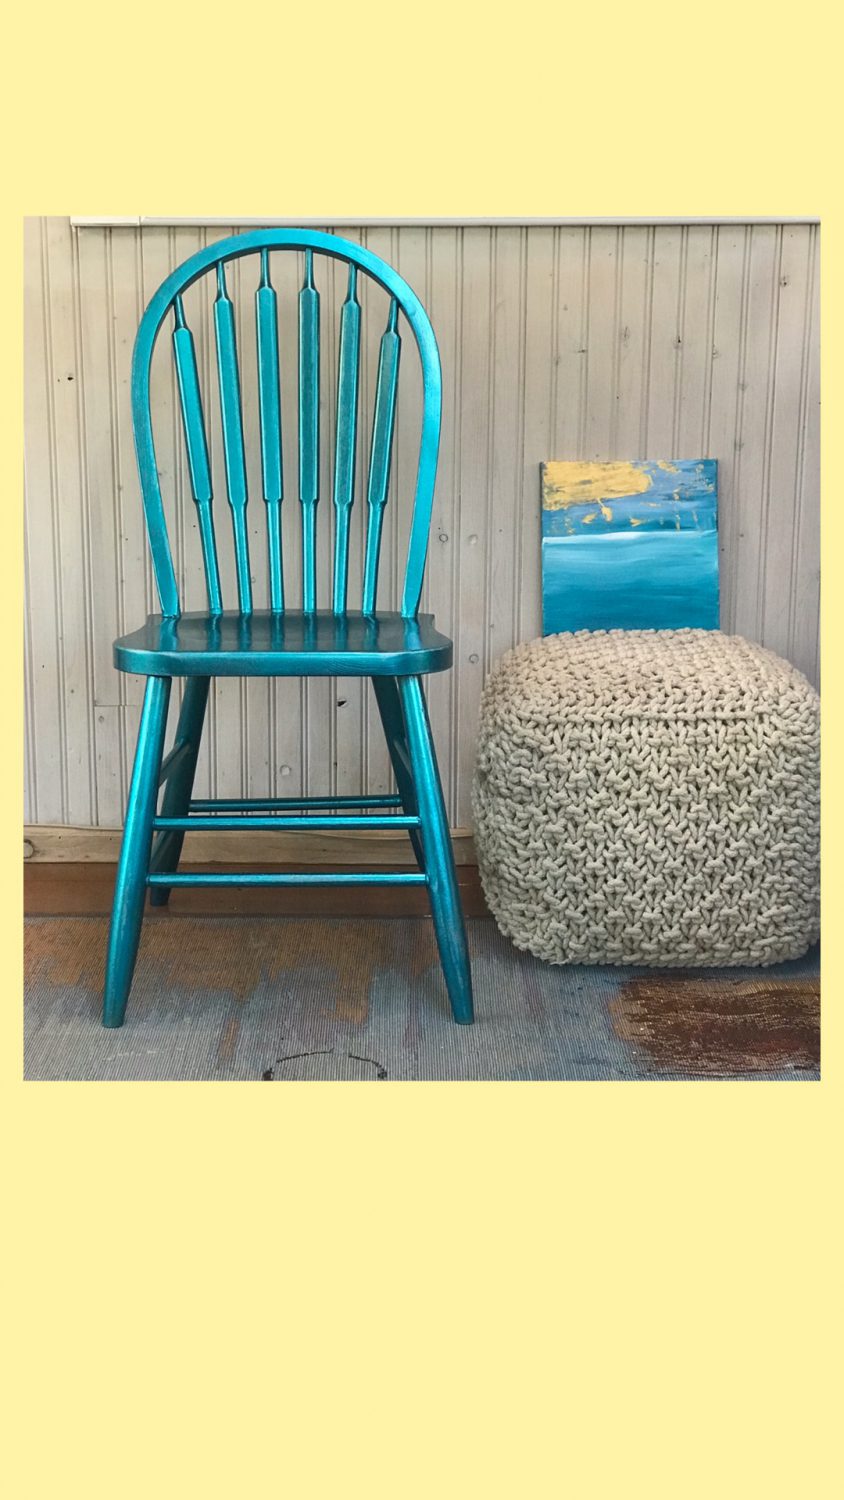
396 650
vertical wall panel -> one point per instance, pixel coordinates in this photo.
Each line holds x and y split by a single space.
732 260
600 357
102 486
633 342
753 455
506 439
375 774
442 576
665 342
646 341
568 369
804 593
474 499
45 687
288 749
538 425
695 334
785 447
346 697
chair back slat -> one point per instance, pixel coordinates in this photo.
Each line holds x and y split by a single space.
269 396
381 452
309 428
230 410
361 262
346 441
199 468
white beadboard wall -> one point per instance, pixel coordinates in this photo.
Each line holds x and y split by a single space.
569 342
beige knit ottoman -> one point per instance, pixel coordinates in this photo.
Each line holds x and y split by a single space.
650 797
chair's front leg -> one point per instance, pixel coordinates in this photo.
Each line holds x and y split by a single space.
439 855
389 707
130 886
177 793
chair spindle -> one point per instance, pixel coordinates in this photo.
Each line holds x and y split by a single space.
193 424
348 377
266 326
233 435
381 452
347 420
309 428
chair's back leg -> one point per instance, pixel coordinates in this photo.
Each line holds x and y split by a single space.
130 886
389 707
439 856
177 792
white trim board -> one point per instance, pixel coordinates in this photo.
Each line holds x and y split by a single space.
143 221
60 844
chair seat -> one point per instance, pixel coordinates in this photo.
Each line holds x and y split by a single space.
293 644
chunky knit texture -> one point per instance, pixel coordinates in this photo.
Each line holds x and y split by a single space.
650 797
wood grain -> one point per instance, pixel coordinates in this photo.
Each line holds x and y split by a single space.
62 845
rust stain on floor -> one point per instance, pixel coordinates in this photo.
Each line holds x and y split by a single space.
709 1025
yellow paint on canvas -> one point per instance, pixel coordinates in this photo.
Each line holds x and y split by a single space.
570 483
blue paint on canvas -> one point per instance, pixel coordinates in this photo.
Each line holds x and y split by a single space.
630 545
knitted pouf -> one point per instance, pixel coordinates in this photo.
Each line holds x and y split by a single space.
650 797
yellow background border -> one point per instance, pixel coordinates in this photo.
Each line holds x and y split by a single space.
490 1289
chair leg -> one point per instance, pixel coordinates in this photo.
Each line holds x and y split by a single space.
389 707
130 887
439 856
177 792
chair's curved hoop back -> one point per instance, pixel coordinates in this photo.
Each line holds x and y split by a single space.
168 298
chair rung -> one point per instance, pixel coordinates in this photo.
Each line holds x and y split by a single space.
201 824
170 762
270 804
370 877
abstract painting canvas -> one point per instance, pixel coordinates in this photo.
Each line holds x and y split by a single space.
629 545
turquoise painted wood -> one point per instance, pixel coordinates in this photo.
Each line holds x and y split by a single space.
269 393
345 447
382 444
244 878
134 862
390 710
235 823
197 450
179 777
437 851
331 637
288 804
231 414
292 644
309 428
